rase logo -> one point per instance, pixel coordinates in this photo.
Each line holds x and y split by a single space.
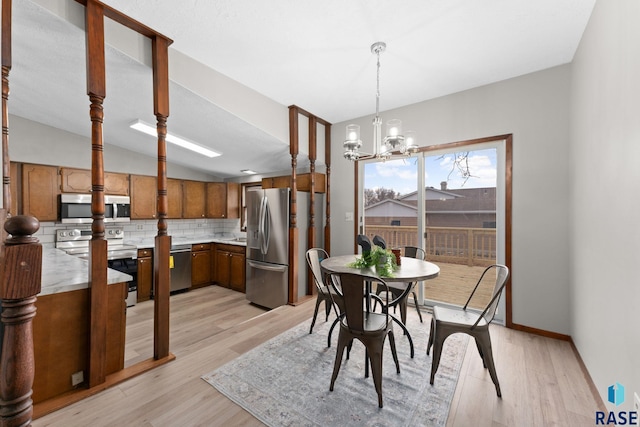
615 395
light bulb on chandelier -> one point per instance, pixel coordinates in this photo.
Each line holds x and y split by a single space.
395 141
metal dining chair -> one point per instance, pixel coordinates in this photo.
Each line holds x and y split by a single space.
370 328
446 321
399 289
314 256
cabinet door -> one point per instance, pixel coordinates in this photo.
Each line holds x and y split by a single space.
116 184
40 191
145 277
75 180
216 200
79 181
223 273
194 195
233 200
200 268
238 271
174 195
15 197
143 197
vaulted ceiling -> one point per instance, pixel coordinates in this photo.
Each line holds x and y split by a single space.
315 54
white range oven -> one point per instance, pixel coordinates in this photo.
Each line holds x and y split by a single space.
120 257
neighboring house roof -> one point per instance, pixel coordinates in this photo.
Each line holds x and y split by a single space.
430 194
391 208
467 200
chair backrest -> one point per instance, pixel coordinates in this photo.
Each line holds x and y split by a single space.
352 287
415 252
364 243
314 256
502 275
379 241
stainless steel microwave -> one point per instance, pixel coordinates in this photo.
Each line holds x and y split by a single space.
76 209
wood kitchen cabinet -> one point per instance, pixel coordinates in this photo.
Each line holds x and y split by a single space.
79 181
15 199
303 182
223 200
230 266
61 338
40 191
144 190
194 198
200 265
174 196
145 274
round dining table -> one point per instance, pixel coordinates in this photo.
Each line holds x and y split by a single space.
408 271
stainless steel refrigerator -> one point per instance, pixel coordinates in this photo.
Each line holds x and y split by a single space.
267 281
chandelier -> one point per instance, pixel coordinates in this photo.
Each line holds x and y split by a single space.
395 141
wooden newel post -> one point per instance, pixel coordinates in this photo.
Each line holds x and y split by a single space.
21 275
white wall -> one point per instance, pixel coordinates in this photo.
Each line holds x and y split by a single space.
535 109
605 233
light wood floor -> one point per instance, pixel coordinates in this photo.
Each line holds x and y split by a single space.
542 382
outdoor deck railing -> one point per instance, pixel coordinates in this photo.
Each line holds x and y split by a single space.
468 246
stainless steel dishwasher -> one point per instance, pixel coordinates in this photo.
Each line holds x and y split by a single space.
180 267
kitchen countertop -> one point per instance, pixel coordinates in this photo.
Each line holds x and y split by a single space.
147 243
64 273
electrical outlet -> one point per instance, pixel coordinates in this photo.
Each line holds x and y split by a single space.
636 402
77 378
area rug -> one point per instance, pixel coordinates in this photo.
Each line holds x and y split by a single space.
285 381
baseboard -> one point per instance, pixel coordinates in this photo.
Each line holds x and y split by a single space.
540 332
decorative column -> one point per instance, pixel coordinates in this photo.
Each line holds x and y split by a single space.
327 160
311 233
96 89
6 68
293 210
161 253
20 282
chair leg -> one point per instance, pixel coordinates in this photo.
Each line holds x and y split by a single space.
431 331
438 342
392 344
403 310
484 363
375 357
406 332
415 301
315 314
333 325
327 309
342 341
484 341
367 360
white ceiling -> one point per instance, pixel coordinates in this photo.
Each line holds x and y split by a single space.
315 54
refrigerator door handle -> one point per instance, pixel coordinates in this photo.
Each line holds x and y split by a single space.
261 220
261 266
266 227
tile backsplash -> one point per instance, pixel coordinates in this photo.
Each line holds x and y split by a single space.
139 229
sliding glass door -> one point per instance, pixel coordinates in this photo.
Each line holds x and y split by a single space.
448 200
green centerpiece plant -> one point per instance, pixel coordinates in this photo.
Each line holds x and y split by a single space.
383 260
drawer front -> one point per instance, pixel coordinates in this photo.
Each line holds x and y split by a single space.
144 253
201 247
232 248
